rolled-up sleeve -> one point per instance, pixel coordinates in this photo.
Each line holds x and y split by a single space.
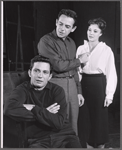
49 48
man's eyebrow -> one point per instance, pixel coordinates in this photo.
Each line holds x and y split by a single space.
65 24
68 25
36 69
40 69
46 70
60 21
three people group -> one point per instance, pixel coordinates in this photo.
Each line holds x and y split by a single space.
86 75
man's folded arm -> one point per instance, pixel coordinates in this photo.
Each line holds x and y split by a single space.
14 108
54 120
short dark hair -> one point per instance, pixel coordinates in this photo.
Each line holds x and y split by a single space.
40 58
69 13
100 22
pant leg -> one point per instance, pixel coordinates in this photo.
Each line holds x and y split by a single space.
39 143
97 112
83 125
73 142
65 141
73 104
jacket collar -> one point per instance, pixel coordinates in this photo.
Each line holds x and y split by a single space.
56 37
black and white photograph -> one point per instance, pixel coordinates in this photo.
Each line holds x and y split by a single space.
60 74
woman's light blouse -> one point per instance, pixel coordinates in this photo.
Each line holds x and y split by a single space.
101 60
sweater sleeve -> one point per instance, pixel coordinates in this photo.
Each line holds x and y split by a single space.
111 77
14 106
56 121
47 48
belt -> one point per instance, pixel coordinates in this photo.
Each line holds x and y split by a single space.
68 77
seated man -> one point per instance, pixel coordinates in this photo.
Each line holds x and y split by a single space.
43 106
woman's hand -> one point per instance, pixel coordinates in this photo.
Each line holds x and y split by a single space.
107 102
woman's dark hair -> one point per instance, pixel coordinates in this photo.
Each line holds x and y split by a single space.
40 58
100 22
69 13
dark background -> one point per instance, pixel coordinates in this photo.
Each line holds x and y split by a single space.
38 18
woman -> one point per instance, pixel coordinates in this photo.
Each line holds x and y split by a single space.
98 79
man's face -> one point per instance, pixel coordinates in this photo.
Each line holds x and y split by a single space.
64 25
40 74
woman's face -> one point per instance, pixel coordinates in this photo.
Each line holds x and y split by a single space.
93 33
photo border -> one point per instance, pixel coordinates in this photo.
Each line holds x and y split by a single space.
1 71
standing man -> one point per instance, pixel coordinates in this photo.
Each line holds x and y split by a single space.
61 50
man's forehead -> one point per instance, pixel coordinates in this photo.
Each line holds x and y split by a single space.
42 65
66 20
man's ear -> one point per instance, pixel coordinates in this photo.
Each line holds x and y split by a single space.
56 22
50 76
29 73
74 28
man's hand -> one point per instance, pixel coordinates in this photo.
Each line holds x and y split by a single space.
53 108
107 102
81 100
84 58
29 106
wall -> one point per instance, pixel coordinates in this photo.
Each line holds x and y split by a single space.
38 18
12 11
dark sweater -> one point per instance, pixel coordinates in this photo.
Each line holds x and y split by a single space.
40 122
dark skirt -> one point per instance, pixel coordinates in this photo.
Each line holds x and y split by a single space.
94 117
